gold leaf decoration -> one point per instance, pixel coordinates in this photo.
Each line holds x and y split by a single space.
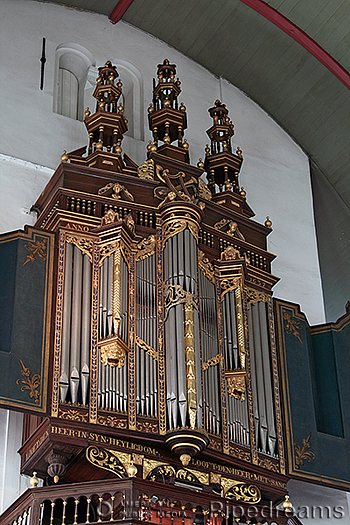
146 247
107 460
36 249
302 454
292 326
146 170
31 383
150 351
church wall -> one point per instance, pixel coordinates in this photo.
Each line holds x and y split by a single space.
275 171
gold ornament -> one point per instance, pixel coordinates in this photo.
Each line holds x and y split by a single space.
268 223
64 156
34 480
185 459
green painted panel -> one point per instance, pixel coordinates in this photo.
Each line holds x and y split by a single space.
26 266
314 365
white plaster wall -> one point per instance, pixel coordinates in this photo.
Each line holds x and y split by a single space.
11 483
275 171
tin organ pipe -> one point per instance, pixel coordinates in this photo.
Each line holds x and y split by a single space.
76 325
85 332
66 322
262 380
267 376
210 349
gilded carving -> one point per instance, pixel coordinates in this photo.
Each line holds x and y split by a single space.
236 383
212 362
147 426
117 190
36 249
146 248
228 285
113 352
111 421
106 459
149 465
269 464
107 250
146 170
243 492
172 228
129 221
110 217
150 351
254 296
230 254
190 364
292 326
232 230
302 454
206 266
176 226
240 453
215 444
160 335
84 244
31 383
203 190
174 294
74 415
215 478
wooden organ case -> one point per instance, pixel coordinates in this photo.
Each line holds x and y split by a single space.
164 391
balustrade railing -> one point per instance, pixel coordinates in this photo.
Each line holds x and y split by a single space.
133 500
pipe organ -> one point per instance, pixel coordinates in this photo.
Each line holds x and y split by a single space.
164 351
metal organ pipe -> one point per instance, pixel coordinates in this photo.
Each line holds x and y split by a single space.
262 378
146 326
85 329
112 388
237 408
75 351
67 306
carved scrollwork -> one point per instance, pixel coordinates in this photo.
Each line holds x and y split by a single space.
146 247
239 453
268 464
172 228
112 421
117 190
150 351
217 359
228 285
206 266
106 459
146 170
204 191
240 491
107 250
236 383
74 415
254 296
84 244
174 294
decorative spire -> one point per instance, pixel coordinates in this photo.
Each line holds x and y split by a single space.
221 164
167 120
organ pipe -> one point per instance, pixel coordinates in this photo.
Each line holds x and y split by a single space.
75 351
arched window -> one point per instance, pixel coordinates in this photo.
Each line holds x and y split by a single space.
73 64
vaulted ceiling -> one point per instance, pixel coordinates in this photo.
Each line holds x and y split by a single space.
233 39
